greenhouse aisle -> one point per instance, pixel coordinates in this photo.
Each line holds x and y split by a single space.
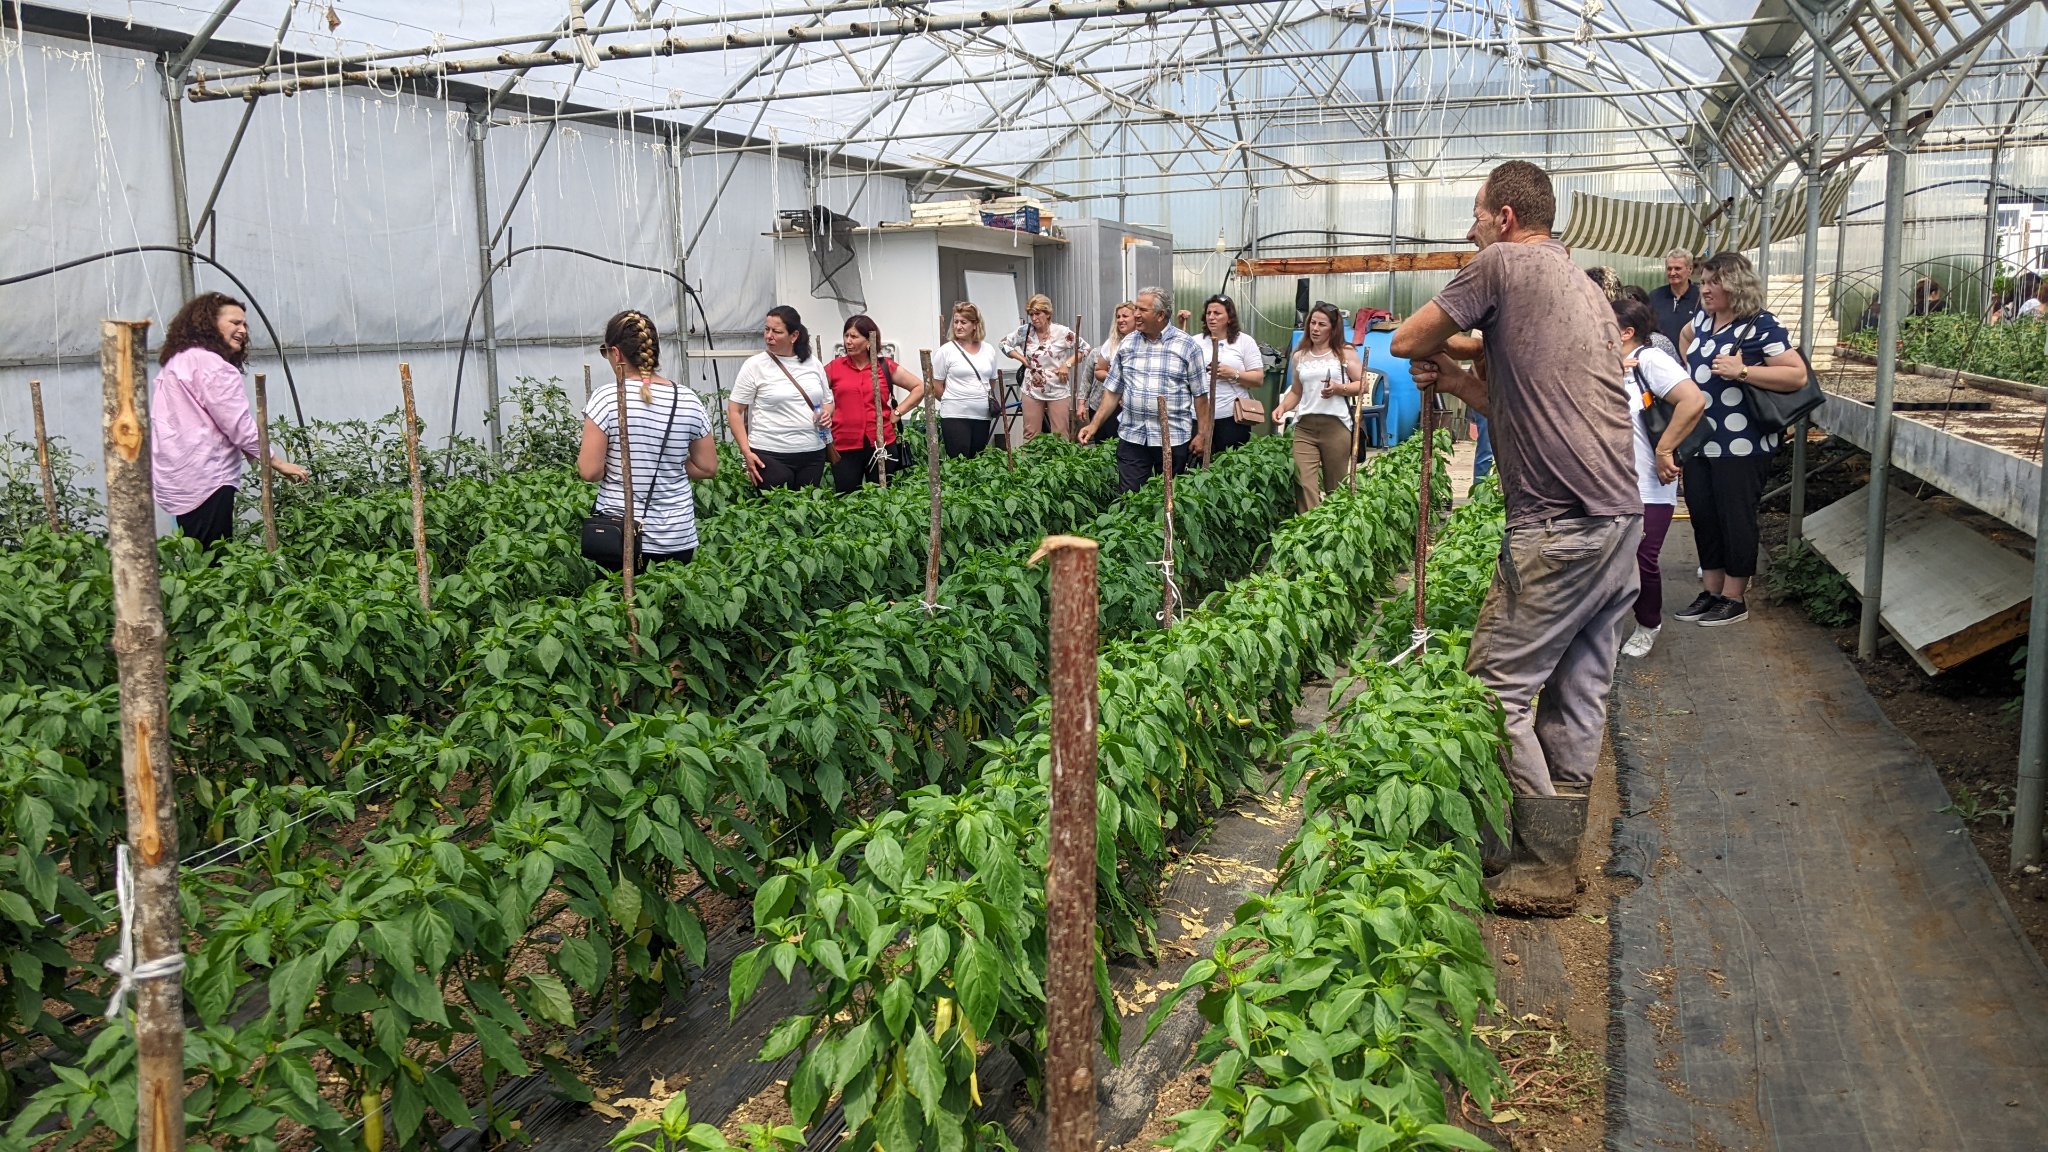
1816 957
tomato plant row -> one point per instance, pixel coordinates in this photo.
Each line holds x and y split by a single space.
1341 1002
921 930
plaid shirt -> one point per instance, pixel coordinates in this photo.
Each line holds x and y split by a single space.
1144 370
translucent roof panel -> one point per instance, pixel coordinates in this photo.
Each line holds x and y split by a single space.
978 87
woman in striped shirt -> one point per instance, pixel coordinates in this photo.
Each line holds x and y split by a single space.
667 432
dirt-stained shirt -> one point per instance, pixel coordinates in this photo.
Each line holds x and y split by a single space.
1558 409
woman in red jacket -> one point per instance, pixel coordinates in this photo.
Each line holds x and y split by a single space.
855 391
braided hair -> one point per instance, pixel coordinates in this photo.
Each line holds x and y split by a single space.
633 334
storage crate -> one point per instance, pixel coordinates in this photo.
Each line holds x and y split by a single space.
1021 220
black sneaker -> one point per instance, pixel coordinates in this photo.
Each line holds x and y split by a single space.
1725 612
1699 607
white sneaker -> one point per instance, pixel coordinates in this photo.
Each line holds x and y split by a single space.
1639 645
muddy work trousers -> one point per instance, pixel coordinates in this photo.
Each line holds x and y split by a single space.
1546 641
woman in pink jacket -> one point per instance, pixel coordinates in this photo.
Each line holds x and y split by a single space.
200 425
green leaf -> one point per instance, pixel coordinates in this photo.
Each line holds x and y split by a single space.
927 1072
785 1038
551 999
579 961
977 976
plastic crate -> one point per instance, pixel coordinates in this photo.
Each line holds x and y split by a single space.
1021 220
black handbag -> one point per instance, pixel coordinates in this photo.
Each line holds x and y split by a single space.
604 535
1656 416
1777 411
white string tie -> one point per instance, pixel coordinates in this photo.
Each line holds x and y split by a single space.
124 965
1173 596
1418 637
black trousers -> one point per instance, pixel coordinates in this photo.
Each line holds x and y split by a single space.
213 521
790 469
963 435
1137 463
1228 433
1722 494
856 466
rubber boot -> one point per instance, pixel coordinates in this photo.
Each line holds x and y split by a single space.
1542 876
1494 852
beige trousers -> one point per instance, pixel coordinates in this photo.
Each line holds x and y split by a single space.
1322 456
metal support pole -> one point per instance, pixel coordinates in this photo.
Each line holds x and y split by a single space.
1896 143
1991 226
152 939
2032 793
931 464
35 402
479 128
266 478
1795 521
682 295
1071 1014
181 210
1763 237
419 490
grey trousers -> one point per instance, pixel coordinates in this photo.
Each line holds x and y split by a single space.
1546 641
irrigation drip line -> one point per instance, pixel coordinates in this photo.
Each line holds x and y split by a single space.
505 261
291 382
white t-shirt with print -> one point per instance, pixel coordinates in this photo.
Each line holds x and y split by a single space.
970 379
779 418
1241 354
1660 374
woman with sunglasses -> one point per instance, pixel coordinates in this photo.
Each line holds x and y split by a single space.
1236 366
1048 352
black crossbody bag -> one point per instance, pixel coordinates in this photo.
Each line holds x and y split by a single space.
604 535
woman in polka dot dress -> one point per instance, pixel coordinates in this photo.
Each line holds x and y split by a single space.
1733 342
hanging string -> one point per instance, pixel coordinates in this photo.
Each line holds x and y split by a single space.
123 965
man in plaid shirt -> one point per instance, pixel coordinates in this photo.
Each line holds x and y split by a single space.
1157 361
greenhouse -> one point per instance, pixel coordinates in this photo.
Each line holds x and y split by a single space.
675 576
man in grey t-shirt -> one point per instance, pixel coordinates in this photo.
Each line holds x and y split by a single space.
1554 398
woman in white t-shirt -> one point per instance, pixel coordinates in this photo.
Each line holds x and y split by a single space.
1327 373
668 434
964 379
1655 376
1125 323
781 407
1236 366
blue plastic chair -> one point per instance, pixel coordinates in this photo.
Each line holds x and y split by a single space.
1372 417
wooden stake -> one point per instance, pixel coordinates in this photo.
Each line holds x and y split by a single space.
931 462
1428 432
1169 599
35 400
1071 1013
881 456
629 543
1357 423
586 385
1009 426
1077 392
153 921
419 489
265 478
1215 355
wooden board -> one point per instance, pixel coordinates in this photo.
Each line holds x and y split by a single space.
1356 262
1949 593
1983 476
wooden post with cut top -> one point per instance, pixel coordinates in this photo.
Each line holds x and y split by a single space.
931 463
35 400
1076 390
1169 597
1071 1014
419 488
152 922
265 477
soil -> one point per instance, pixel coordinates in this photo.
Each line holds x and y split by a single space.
2011 423
1967 720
